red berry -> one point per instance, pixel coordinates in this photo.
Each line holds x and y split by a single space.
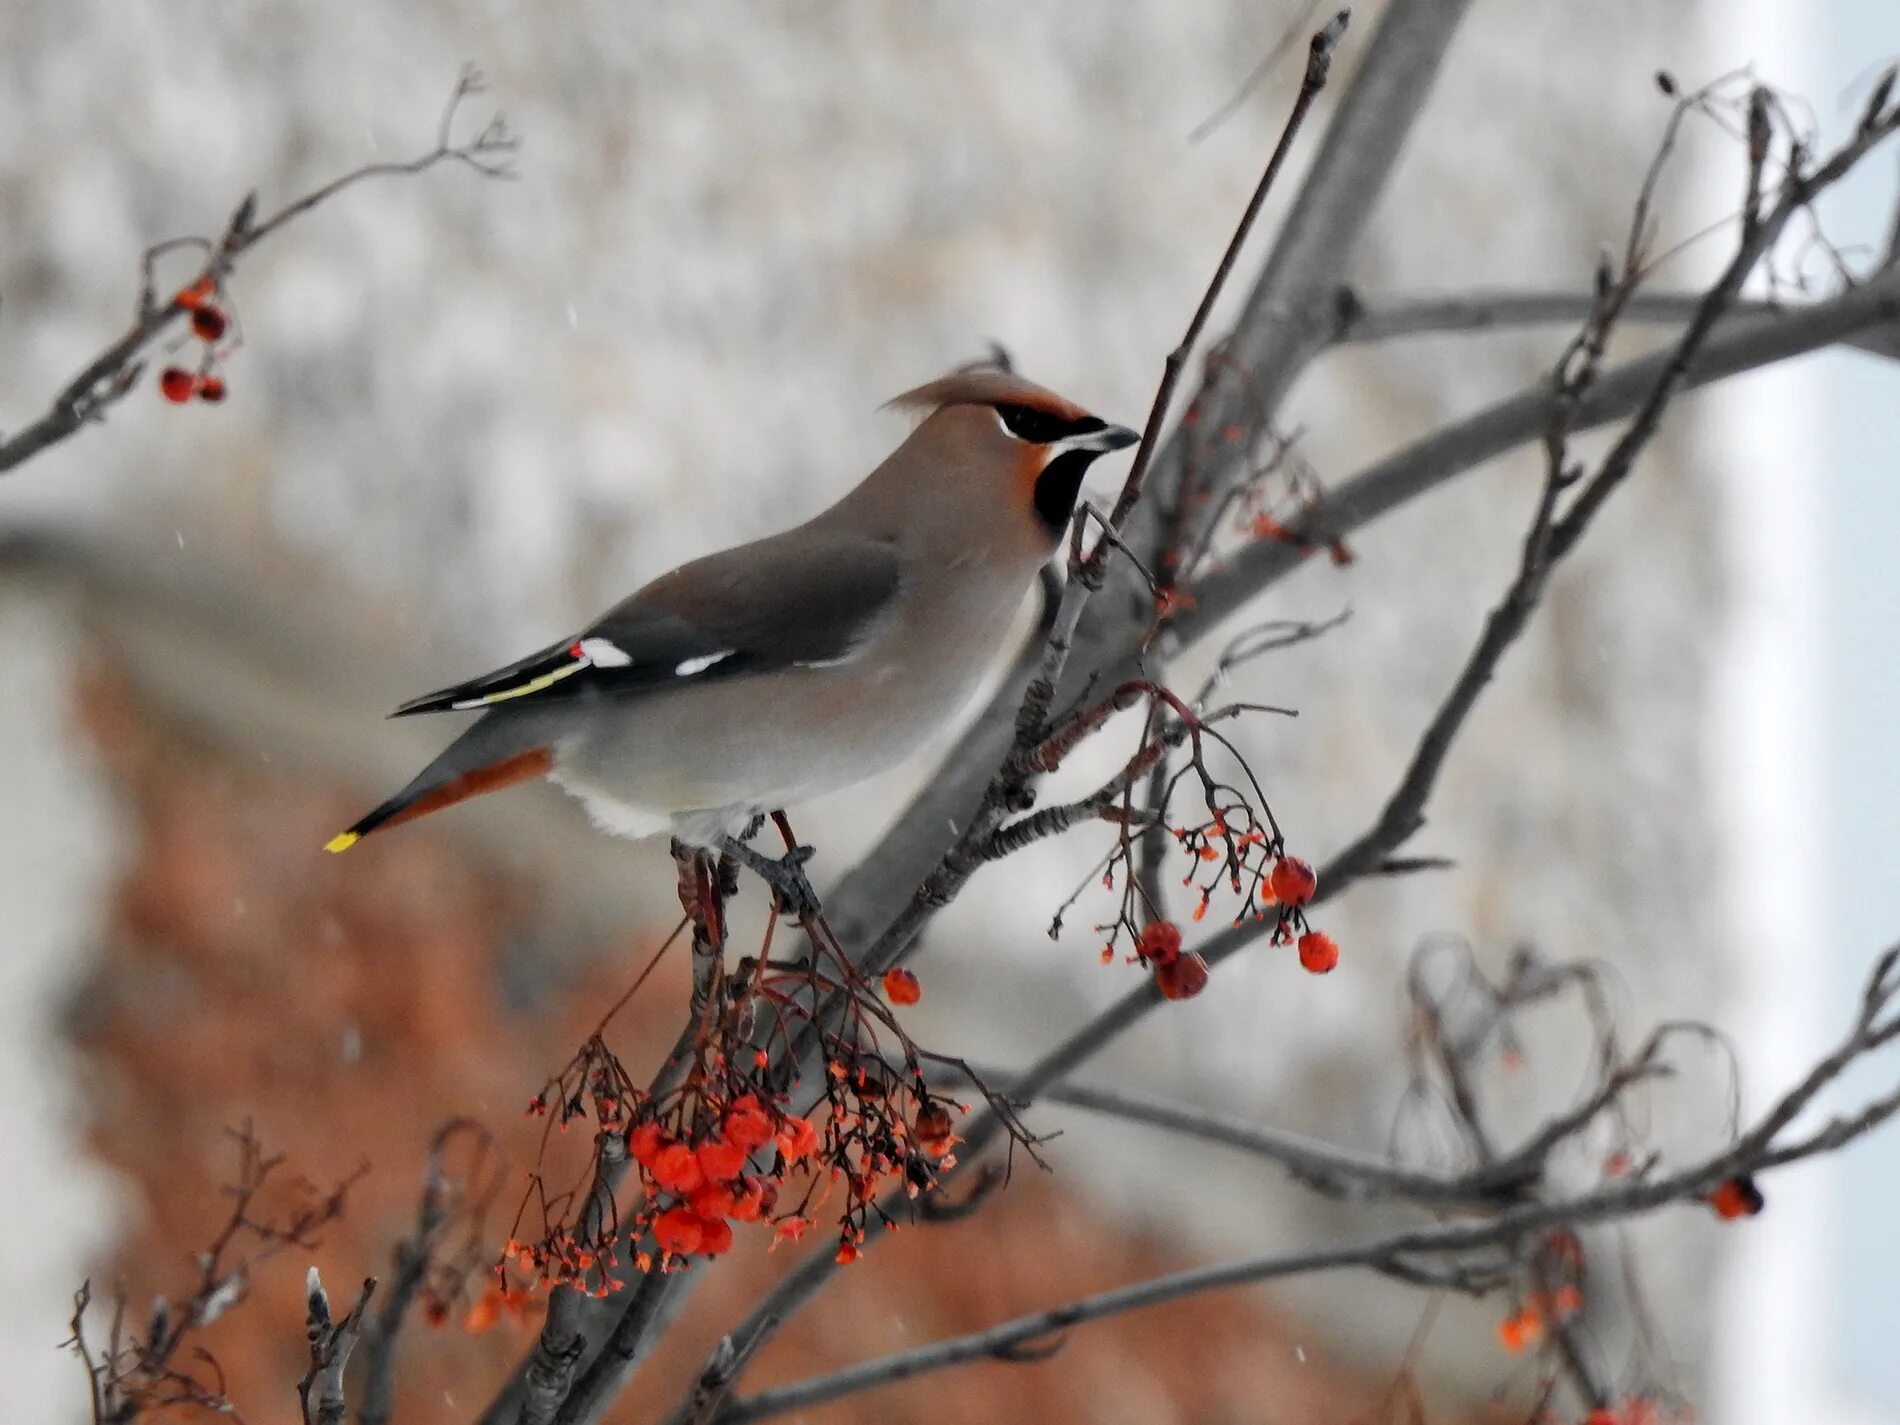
209 323
721 1161
713 1201
1318 952
749 1202
644 1144
1738 1197
211 388
748 1127
1183 977
678 1230
176 384
676 1168
715 1237
1160 942
1517 1332
193 297
901 987
1292 881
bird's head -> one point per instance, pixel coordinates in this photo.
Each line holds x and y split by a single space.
1008 436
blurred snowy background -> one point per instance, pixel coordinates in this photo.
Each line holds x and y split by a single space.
469 414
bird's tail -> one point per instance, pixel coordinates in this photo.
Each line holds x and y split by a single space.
489 756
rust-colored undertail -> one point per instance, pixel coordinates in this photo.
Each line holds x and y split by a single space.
408 805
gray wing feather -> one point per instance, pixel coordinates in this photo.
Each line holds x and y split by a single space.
804 597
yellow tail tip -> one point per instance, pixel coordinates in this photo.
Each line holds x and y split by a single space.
342 841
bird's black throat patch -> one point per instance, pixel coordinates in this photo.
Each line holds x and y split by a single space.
1059 485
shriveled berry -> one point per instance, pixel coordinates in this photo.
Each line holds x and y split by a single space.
211 388
935 1130
798 1138
1183 977
176 384
208 323
901 987
1292 881
1318 952
1160 942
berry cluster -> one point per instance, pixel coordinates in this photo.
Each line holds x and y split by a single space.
708 1181
725 1148
210 325
1290 884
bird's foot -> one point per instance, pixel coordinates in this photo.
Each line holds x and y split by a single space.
791 889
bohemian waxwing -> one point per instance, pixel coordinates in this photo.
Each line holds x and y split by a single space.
763 675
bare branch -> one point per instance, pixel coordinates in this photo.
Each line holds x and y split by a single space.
1359 320
1738 344
1348 173
1643 387
415 1256
331 1342
1324 1167
1287 320
1424 1255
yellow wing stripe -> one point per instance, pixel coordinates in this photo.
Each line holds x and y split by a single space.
533 685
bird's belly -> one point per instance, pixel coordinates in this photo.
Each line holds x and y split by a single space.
768 742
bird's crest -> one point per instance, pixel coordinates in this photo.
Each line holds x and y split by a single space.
986 386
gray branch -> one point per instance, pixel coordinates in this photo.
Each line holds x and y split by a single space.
1326 1168
1410 1255
1359 321
1738 344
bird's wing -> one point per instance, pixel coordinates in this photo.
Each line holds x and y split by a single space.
773 604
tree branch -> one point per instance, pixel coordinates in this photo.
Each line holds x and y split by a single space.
1643 387
331 1342
1399 1254
1288 319
111 375
1326 1168
1738 344
1349 172
1361 321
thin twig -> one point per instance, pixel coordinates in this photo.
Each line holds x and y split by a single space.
112 374
1406 1255
331 1342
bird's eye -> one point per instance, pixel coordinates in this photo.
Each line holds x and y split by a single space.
1029 424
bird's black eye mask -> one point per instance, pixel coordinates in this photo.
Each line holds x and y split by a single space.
1037 427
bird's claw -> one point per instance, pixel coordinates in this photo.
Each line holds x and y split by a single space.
791 888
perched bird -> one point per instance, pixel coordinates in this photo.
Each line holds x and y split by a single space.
765 674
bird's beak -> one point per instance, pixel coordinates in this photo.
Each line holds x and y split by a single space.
1102 441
